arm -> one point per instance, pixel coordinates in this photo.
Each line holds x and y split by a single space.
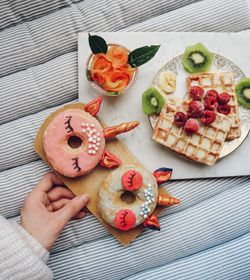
21 256
24 248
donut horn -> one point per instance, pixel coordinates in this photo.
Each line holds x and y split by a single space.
167 200
109 160
162 175
152 222
93 106
111 132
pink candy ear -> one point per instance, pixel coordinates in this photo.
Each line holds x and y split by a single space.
93 106
109 160
162 175
152 222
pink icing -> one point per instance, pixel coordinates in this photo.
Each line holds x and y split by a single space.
73 162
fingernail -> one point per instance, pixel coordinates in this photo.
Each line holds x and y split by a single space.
84 198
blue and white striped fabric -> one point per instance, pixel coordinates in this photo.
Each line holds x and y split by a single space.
208 235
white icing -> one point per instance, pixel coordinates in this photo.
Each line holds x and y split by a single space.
145 210
91 132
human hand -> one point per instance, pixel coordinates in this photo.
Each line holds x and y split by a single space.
48 208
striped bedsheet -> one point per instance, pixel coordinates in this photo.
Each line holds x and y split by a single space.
208 235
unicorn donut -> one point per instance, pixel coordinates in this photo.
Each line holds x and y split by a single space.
129 195
74 141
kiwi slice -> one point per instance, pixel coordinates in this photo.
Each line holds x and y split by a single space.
242 89
152 101
197 58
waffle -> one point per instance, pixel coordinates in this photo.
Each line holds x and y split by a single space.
221 82
203 146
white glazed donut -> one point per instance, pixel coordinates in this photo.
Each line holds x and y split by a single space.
137 181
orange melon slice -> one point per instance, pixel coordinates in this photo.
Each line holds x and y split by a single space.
101 63
116 80
127 69
118 56
98 77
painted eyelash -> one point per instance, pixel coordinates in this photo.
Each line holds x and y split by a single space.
122 218
76 164
68 126
130 179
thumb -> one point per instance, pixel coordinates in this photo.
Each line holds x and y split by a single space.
72 208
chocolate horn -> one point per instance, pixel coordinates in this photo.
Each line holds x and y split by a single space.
93 106
152 222
167 200
111 132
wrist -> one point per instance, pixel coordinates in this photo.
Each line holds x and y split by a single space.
35 245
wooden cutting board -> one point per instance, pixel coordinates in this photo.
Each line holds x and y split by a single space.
91 182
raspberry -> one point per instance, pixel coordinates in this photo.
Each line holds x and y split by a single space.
196 92
224 109
224 98
191 126
210 104
180 119
195 109
213 94
208 117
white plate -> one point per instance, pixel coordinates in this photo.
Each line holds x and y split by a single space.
220 64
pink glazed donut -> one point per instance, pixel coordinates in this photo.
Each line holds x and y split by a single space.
66 128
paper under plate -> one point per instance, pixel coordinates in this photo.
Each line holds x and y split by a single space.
234 47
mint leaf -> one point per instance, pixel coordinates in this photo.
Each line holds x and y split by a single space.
97 44
88 75
142 55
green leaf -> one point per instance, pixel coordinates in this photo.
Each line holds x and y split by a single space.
97 44
114 93
88 76
142 55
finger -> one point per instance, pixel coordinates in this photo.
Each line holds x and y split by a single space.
80 215
56 205
59 192
72 208
48 181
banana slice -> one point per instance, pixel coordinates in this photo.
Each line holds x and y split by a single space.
167 81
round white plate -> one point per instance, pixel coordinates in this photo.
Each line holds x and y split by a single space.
220 64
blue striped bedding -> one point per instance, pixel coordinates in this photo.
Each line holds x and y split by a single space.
208 235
